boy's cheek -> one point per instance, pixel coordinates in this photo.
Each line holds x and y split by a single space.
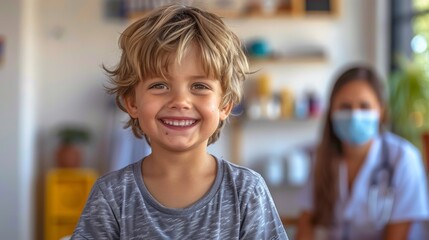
214 108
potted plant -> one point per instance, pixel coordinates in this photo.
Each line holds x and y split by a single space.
409 101
69 153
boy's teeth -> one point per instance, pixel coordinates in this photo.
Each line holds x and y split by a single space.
181 123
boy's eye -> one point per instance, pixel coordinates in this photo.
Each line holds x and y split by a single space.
200 86
158 86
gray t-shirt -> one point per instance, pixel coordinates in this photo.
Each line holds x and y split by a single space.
238 206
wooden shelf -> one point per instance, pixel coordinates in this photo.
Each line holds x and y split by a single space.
232 15
256 15
276 15
288 60
245 120
296 8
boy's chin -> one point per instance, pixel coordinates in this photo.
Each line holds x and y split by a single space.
183 147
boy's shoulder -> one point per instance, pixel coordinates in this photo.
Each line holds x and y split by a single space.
118 178
239 169
242 175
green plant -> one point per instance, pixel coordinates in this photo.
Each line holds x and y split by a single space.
409 100
73 134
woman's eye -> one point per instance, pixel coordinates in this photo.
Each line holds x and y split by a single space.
365 105
345 106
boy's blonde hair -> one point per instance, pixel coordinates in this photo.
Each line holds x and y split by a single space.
149 44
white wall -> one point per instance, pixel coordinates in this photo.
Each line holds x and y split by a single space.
9 108
17 122
75 40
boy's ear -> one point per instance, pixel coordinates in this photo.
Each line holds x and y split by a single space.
130 106
225 111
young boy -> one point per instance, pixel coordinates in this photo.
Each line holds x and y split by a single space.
179 76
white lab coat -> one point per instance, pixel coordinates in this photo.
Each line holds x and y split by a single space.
411 201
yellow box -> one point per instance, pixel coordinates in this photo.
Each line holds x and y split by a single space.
66 193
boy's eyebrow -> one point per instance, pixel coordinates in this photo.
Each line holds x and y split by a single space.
201 77
196 77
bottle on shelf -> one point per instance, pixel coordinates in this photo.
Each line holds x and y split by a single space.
287 102
314 105
301 107
264 83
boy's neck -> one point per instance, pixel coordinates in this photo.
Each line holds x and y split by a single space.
179 179
166 163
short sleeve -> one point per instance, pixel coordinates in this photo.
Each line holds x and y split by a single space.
411 193
97 220
260 219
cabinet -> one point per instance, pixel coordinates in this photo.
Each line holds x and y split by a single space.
67 190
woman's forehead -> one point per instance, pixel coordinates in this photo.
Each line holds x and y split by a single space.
356 90
358 86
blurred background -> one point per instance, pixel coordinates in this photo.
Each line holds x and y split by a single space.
59 130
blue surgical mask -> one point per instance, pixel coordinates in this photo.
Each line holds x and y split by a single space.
355 127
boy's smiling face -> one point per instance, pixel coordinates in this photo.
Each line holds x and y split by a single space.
180 112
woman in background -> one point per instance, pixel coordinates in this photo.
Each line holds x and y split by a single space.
366 183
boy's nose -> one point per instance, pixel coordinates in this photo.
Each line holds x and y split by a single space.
179 100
